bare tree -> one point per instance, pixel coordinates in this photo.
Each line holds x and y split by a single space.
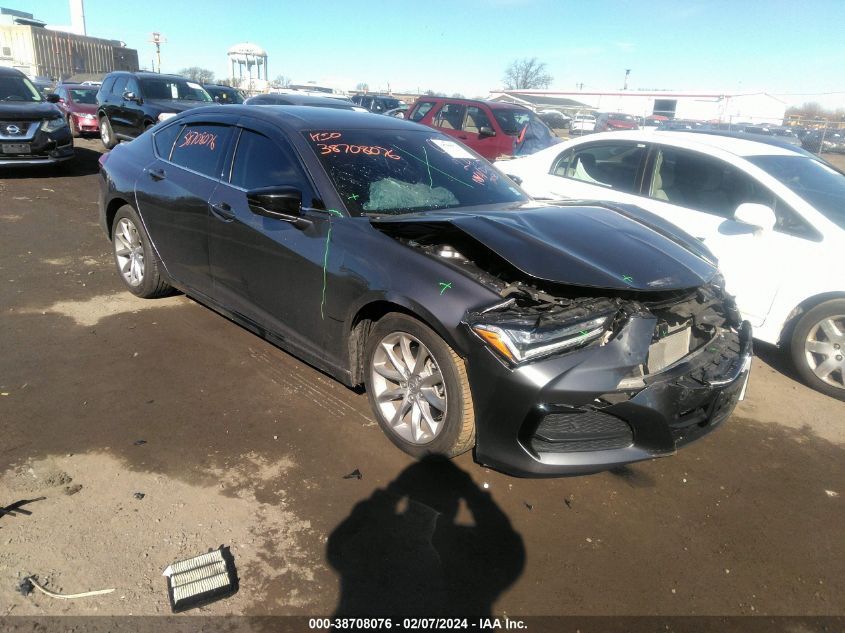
200 75
526 74
281 81
363 87
457 95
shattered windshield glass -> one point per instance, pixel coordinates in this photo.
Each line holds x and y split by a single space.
393 172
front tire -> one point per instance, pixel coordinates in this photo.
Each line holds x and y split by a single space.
136 262
74 128
106 133
818 348
418 388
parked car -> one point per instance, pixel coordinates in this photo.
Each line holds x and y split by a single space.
609 121
553 340
555 119
819 141
33 130
490 128
377 103
130 103
773 216
79 104
304 100
400 113
582 124
226 95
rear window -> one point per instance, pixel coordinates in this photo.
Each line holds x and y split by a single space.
173 89
87 96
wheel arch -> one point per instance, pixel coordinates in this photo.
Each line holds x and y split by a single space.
111 210
802 308
370 311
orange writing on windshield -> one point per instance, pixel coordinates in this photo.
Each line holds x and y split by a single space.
324 136
367 150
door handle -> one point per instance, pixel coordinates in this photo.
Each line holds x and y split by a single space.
157 174
223 211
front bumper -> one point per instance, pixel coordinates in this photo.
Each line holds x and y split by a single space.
565 415
43 148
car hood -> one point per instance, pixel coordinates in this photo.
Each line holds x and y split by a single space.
591 245
28 111
177 105
82 108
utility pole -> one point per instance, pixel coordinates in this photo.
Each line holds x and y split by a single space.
158 39
627 72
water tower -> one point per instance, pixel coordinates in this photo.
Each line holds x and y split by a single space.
249 66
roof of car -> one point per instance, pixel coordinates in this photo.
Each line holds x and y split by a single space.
494 105
300 118
295 99
7 71
142 74
737 146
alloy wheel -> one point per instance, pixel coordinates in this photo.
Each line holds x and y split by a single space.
104 131
129 252
409 388
824 349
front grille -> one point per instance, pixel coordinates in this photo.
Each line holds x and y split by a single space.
7 128
580 430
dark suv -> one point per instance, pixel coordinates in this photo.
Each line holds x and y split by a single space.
33 130
224 94
129 103
377 103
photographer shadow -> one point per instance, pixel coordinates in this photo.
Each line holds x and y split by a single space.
430 544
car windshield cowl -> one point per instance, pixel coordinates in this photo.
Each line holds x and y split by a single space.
398 172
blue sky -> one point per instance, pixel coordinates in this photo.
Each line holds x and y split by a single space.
778 46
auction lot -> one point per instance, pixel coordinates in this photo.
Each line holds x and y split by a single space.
157 430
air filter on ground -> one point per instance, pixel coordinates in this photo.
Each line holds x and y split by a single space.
202 579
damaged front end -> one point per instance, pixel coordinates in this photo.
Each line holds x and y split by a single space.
570 379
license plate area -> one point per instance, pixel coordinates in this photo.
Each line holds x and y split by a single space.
16 148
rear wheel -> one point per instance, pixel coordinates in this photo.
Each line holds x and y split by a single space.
418 388
136 262
818 348
106 133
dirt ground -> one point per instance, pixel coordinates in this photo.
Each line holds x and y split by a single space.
145 432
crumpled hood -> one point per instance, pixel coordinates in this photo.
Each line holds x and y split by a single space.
583 245
28 110
176 105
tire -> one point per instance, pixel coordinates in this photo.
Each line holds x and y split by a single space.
434 433
106 133
74 129
817 348
137 264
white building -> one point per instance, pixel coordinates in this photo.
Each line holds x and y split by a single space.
249 67
757 107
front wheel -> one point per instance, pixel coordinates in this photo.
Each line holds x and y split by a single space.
134 257
106 133
818 348
74 128
418 388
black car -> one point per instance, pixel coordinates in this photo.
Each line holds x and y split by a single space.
551 339
377 103
129 103
224 94
33 130
302 100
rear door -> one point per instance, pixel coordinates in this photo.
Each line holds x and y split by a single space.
173 194
114 105
449 119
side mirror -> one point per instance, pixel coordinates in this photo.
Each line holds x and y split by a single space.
130 96
486 132
278 203
54 98
755 214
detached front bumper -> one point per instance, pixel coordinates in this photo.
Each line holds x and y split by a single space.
44 148
567 415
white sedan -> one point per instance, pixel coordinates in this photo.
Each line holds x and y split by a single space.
774 217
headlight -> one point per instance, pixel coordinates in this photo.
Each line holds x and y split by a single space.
90 117
519 340
166 115
51 125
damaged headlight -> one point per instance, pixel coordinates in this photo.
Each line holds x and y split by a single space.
51 125
521 340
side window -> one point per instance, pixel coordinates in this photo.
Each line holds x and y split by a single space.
615 165
200 147
164 140
704 183
132 86
475 120
260 162
366 102
450 117
107 86
421 110
119 86
378 105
